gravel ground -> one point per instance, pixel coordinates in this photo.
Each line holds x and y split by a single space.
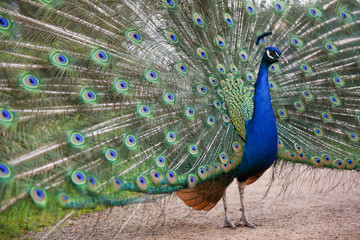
307 210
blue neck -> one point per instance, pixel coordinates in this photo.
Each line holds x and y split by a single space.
262 98
261 133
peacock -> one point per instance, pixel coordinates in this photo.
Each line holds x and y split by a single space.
110 103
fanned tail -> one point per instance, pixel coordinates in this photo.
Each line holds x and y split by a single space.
104 103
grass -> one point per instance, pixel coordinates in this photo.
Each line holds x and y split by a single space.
14 225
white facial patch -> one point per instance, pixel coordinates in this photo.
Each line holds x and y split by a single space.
268 54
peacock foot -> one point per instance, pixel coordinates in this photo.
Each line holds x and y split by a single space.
244 222
228 224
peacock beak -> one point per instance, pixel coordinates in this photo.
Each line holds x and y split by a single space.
282 59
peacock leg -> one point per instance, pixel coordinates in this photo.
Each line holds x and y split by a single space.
243 220
227 221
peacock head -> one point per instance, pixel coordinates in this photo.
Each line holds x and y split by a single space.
273 55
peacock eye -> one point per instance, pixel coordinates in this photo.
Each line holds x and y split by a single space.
272 53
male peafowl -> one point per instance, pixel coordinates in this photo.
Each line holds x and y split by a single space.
121 102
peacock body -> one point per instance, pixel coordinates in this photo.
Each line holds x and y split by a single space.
120 102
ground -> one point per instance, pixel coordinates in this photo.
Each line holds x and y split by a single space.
300 213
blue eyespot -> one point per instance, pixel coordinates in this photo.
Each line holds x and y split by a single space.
170 2
211 119
183 68
5 114
301 155
171 175
228 20
171 135
339 163
160 159
39 193
344 15
62 59
112 153
318 160
313 12
4 170
145 109
79 176
292 154
192 179
203 54
142 180
3 22
327 158
78 137
306 94
90 95
326 115
278 6
156 175
91 180
243 56
202 171
305 67
152 74
203 89
193 148
349 161
317 131
199 21
123 85
173 37
337 80
131 139
170 96
295 41
118 181
221 43
101 55
136 36
250 9
32 81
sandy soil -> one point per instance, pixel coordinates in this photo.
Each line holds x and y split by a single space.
300 213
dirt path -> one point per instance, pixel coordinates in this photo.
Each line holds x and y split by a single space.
304 215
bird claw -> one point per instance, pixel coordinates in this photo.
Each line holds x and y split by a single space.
229 224
244 222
